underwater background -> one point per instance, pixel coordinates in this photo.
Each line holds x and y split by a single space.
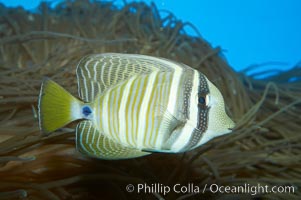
49 40
265 33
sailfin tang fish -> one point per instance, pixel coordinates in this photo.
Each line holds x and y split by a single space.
132 105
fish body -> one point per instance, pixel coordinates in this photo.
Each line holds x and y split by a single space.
132 105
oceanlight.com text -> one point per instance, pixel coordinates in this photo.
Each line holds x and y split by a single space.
248 189
212 188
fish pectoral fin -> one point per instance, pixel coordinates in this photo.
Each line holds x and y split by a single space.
169 123
173 136
91 142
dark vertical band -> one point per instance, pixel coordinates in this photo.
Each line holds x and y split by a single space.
203 113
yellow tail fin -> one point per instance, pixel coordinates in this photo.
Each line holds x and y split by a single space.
57 107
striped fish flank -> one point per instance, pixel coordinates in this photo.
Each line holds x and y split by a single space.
141 97
133 105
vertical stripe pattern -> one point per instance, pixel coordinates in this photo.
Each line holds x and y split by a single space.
90 141
134 97
132 111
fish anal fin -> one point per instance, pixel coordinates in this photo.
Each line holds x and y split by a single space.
91 142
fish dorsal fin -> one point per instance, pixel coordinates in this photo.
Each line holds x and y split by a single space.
91 142
98 72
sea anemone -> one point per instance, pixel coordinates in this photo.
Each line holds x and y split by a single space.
264 149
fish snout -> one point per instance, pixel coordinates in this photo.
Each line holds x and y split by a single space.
231 125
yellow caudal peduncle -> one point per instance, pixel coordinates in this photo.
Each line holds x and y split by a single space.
57 107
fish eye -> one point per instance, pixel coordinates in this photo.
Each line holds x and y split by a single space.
203 100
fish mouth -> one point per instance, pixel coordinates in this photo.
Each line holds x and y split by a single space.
231 129
231 126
